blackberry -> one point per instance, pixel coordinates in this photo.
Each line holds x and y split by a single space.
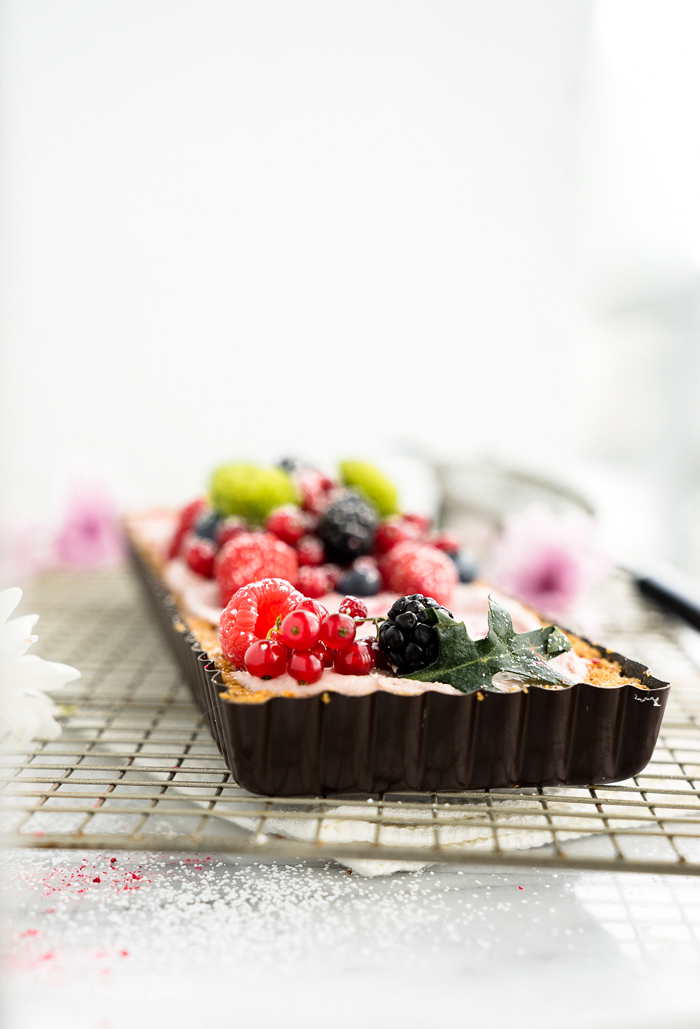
408 637
347 527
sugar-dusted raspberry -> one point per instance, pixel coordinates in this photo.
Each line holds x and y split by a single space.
251 612
395 530
422 523
313 582
419 568
251 556
289 523
186 519
310 551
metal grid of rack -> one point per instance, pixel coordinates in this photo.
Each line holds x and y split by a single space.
135 767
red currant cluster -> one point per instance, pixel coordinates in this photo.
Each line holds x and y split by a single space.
308 640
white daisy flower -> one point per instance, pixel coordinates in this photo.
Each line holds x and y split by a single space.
26 712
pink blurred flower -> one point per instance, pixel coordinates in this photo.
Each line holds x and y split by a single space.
547 560
90 535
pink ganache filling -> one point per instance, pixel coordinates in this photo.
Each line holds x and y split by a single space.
200 599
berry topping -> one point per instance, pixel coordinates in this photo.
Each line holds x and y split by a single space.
250 491
313 582
419 568
421 522
316 489
288 523
325 653
354 607
447 542
362 579
305 667
266 659
338 631
308 604
250 614
250 556
407 637
356 659
310 551
206 525
228 528
347 527
199 554
466 567
372 484
300 629
186 519
395 530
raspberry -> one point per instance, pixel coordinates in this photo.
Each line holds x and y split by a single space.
313 582
393 531
186 519
354 607
334 574
288 523
199 553
310 551
251 556
419 568
250 614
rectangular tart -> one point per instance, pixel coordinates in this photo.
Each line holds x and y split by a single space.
600 731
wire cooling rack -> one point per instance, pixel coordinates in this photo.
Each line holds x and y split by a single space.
135 767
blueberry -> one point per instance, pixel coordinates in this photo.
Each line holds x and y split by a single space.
206 525
360 582
466 567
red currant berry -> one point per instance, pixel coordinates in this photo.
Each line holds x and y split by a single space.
308 604
354 607
324 652
337 631
265 659
199 554
310 551
356 659
300 629
305 667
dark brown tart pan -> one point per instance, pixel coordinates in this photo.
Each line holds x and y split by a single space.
288 746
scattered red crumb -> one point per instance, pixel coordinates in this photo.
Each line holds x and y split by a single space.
124 953
520 887
29 932
71 881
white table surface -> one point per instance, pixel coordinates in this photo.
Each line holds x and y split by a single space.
171 940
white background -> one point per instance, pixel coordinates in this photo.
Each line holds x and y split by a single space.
244 229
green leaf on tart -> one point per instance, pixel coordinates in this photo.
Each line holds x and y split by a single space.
469 665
